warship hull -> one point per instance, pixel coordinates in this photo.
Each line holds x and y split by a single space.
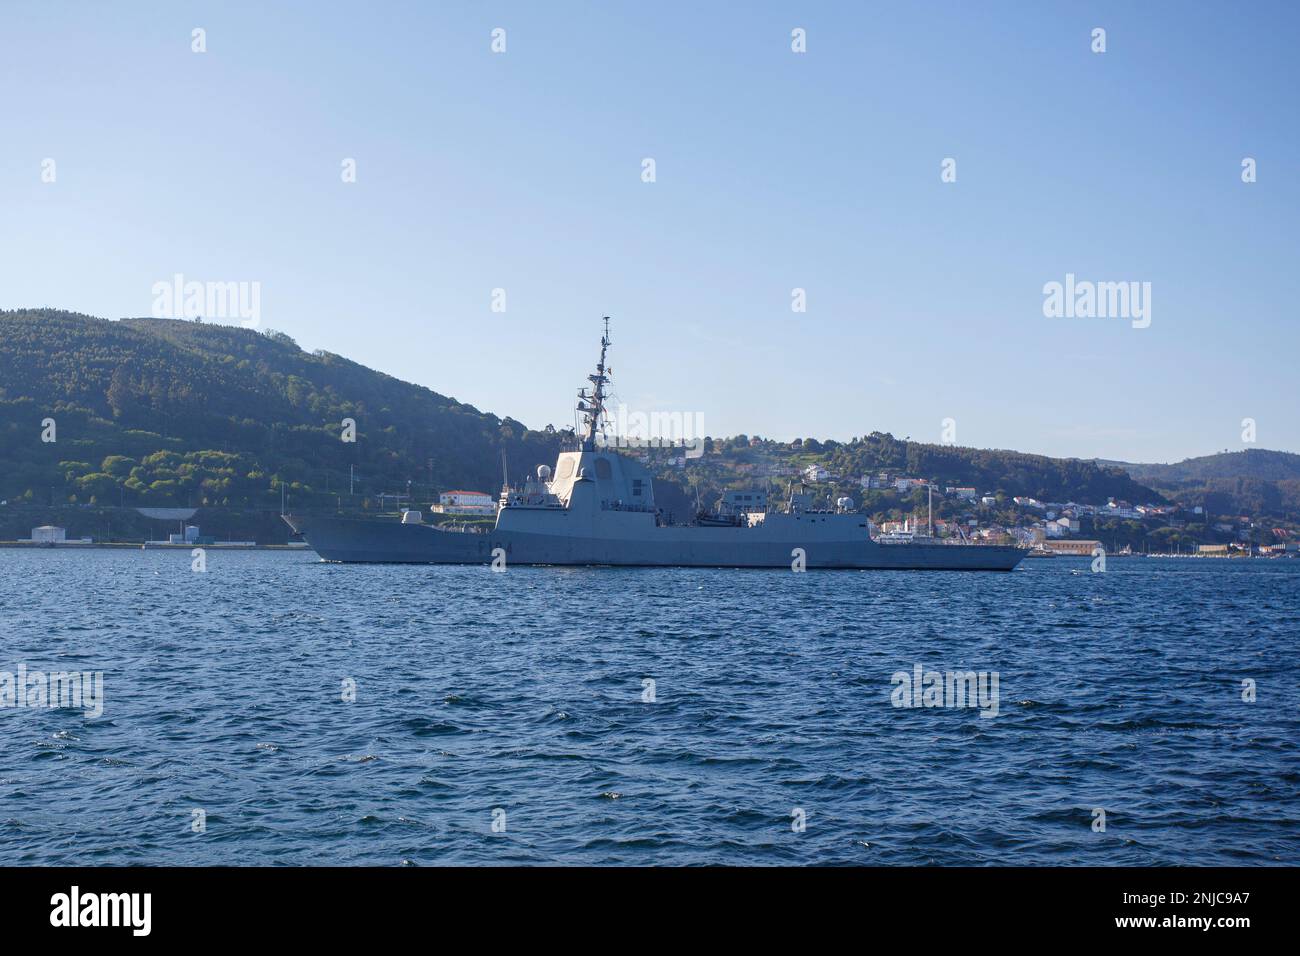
390 542
598 508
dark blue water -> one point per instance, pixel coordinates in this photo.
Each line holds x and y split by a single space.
523 692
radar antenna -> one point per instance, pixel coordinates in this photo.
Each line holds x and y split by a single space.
593 406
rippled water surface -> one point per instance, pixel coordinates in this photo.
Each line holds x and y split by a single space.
523 692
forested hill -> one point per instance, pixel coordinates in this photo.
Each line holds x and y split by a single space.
987 470
1011 472
1256 482
162 412
1253 463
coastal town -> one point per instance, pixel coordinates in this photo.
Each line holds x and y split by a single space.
1056 527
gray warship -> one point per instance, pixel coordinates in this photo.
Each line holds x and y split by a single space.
598 508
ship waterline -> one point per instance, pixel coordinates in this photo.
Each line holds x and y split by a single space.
598 508
805 545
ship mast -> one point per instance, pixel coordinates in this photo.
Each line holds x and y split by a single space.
593 406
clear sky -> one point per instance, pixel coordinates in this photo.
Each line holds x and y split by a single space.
774 170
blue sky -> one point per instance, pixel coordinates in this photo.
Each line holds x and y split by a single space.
775 170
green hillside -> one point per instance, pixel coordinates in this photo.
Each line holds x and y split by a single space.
1255 481
1253 463
1006 473
157 412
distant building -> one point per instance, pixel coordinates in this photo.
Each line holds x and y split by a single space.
49 534
816 473
1078 547
465 503
988 501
